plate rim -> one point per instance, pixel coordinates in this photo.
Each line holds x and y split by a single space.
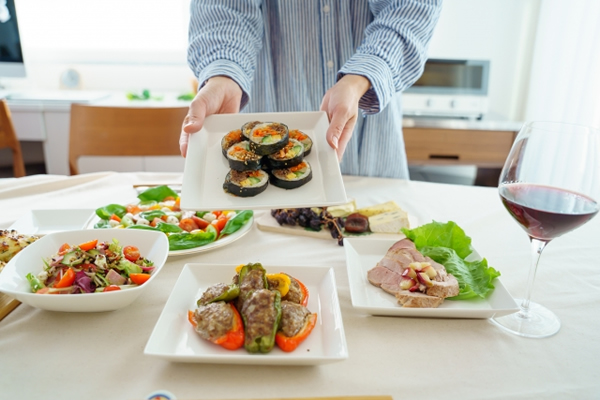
439 312
29 215
217 243
246 358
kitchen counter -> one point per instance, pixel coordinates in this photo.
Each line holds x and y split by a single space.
45 117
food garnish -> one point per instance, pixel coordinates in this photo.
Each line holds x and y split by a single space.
429 266
257 310
91 267
11 243
159 209
346 220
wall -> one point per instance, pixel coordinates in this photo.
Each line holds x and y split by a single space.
502 31
138 44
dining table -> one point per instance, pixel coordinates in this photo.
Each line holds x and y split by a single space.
74 355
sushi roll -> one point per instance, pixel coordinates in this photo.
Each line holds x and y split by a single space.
293 177
292 154
268 137
230 139
302 138
240 158
246 183
247 127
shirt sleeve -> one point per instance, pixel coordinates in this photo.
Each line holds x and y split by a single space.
225 37
394 49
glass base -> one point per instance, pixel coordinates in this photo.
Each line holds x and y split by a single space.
536 322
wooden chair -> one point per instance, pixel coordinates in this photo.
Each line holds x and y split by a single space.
123 131
8 139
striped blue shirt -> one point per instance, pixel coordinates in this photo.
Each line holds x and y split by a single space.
285 54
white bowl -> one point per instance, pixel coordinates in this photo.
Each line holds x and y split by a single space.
152 245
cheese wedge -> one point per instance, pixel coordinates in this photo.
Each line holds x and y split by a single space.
379 209
343 210
389 222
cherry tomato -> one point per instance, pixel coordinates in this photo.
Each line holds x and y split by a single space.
217 213
89 245
188 224
131 253
138 279
155 221
111 288
67 279
177 206
64 249
87 267
220 223
202 224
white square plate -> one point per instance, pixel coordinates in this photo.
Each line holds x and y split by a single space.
363 254
43 222
174 337
206 168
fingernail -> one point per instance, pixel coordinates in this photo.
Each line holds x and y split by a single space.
334 140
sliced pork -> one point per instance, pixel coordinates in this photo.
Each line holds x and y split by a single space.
387 275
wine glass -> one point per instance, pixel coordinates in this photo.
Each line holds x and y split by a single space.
550 185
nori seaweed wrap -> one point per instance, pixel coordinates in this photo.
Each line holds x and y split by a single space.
246 183
292 154
268 137
240 157
293 177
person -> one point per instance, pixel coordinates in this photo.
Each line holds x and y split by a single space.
350 59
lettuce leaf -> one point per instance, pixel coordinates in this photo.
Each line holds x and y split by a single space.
235 223
474 277
447 244
437 234
185 240
158 193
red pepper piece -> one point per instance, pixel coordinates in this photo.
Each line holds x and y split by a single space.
288 344
304 291
232 340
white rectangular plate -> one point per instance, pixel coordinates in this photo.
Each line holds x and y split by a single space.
363 254
174 337
43 222
206 168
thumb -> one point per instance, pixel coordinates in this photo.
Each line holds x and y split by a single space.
334 132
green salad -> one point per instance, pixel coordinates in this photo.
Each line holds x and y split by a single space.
159 209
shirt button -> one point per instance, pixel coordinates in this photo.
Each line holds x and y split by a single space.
326 9
330 64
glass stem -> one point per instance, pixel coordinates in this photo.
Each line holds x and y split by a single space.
537 246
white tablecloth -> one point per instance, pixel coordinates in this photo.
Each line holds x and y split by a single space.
73 356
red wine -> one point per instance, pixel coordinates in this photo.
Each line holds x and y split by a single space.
546 212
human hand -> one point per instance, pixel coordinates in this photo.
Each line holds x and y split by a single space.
220 95
341 105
